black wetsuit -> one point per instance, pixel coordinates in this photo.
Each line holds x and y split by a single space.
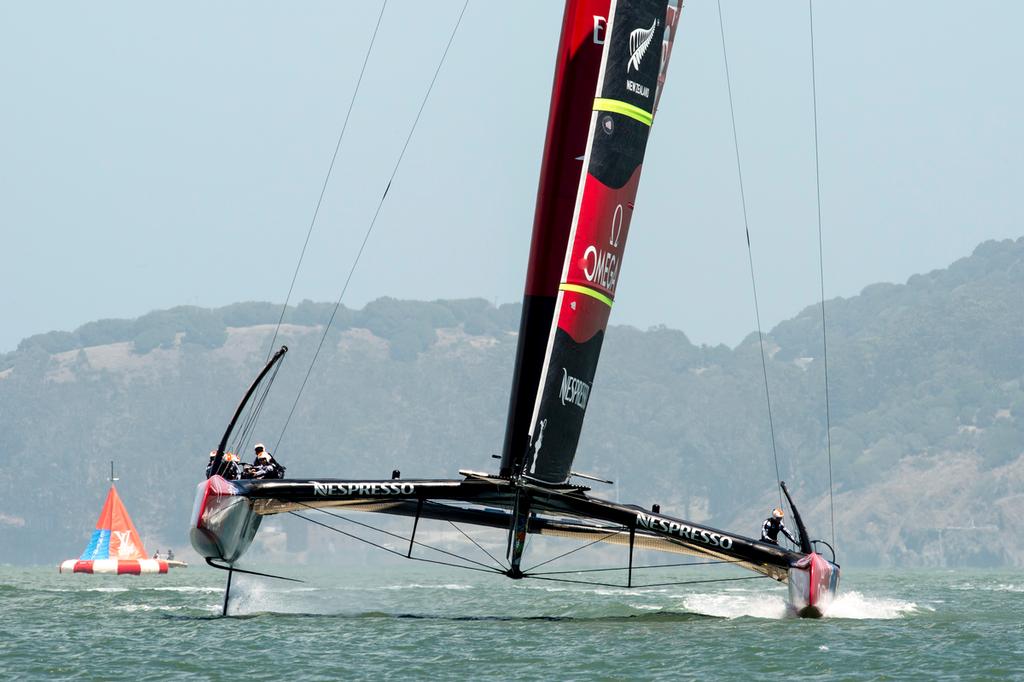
269 470
770 530
230 470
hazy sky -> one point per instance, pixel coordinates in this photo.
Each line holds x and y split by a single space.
153 155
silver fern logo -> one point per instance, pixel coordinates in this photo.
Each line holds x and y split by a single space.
639 40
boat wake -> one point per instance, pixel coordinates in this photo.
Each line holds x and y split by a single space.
847 605
856 606
736 605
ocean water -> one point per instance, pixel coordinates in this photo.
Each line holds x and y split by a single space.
421 622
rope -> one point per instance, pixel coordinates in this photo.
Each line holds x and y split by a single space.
330 169
479 546
486 569
252 416
821 272
634 587
394 535
641 568
241 440
573 551
373 222
750 254
241 434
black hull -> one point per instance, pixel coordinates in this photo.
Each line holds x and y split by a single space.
227 515
223 528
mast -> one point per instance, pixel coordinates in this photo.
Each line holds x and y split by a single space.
637 45
577 64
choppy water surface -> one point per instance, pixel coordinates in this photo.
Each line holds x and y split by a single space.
424 622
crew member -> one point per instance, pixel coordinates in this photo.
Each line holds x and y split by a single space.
771 527
209 466
265 466
230 468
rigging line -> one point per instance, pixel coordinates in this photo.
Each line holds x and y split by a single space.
252 412
330 169
394 535
638 568
373 222
241 440
710 580
750 253
242 444
634 587
502 567
241 436
573 551
821 272
485 569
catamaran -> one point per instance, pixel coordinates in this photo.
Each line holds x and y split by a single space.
611 65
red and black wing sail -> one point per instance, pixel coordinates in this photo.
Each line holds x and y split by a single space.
577 65
637 40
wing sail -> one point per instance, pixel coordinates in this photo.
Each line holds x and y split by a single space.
578 62
637 45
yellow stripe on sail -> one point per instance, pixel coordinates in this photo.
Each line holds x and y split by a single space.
586 291
624 108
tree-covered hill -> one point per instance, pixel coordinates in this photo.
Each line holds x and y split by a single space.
927 409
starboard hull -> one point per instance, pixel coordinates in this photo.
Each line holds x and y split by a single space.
813 582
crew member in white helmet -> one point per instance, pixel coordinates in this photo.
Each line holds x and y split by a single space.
771 527
265 466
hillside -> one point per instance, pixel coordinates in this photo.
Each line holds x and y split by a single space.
926 397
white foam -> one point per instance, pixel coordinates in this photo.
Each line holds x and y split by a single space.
733 605
151 607
855 605
254 597
616 592
1001 587
847 605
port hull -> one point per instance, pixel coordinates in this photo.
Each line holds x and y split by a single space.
223 521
